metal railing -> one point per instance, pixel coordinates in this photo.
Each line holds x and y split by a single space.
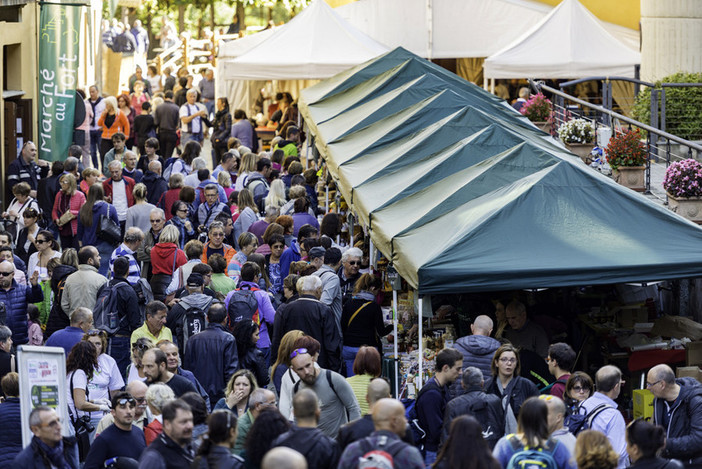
600 115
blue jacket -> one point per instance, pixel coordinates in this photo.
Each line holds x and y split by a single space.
88 234
431 405
16 300
288 257
32 457
212 357
10 438
477 351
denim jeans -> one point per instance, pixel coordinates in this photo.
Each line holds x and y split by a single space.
348 354
429 458
120 350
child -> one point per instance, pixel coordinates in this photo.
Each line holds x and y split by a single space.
36 336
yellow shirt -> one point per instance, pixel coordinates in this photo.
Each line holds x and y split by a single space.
359 384
144 331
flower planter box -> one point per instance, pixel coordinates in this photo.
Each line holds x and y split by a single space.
632 177
687 207
543 125
583 150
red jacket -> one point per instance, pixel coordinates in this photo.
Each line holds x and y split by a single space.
167 200
128 186
162 258
76 202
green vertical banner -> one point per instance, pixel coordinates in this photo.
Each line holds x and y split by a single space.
58 78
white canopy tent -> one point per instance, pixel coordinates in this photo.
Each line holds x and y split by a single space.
315 44
453 28
568 43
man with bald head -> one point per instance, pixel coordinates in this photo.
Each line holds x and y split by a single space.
283 458
156 186
390 425
319 450
677 407
477 349
603 413
556 417
378 389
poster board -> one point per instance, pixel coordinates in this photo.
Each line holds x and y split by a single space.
42 380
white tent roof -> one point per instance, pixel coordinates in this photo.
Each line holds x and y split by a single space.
237 47
568 43
453 28
316 44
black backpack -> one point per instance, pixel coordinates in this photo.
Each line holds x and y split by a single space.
243 305
106 312
194 322
581 420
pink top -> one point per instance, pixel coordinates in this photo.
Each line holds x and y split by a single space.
137 102
36 336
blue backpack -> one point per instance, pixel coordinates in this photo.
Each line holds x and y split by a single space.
525 457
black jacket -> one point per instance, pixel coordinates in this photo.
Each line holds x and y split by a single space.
58 318
431 406
33 457
657 463
320 451
315 319
156 186
127 308
21 241
221 458
361 428
165 449
523 389
254 361
486 408
211 356
684 430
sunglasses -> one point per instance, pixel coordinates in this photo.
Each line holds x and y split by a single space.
95 332
127 400
297 352
41 241
354 262
6 274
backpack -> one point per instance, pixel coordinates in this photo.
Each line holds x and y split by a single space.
106 313
328 375
243 305
547 389
260 198
144 294
579 421
380 457
194 321
525 457
168 167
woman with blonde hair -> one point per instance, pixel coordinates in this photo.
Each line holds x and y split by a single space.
594 451
157 396
112 120
247 166
282 361
139 214
224 179
67 206
276 196
236 395
90 177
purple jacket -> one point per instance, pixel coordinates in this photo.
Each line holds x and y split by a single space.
266 312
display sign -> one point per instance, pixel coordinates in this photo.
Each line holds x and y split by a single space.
42 382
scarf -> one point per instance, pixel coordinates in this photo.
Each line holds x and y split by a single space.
55 454
510 419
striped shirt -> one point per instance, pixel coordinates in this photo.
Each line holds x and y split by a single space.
134 270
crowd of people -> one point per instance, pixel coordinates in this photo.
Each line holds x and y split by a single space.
215 319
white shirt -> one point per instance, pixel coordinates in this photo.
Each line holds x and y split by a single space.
119 199
33 265
195 124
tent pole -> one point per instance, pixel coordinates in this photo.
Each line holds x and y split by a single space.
492 85
326 207
420 380
371 255
430 30
394 334
485 83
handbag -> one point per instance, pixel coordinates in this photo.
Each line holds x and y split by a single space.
82 426
108 230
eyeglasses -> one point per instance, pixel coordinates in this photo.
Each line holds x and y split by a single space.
580 389
297 352
126 400
508 360
217 235
140 400
182 210
53 424
157 221
354 262
650 385
6 274
95 332
141 346
41 241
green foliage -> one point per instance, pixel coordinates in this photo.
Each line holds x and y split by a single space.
683 106
626 149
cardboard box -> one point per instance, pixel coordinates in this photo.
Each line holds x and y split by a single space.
629 315
689 371
677 327
643 404
693 354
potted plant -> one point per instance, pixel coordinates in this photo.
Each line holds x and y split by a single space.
579 137
627 154
683 183
538 110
